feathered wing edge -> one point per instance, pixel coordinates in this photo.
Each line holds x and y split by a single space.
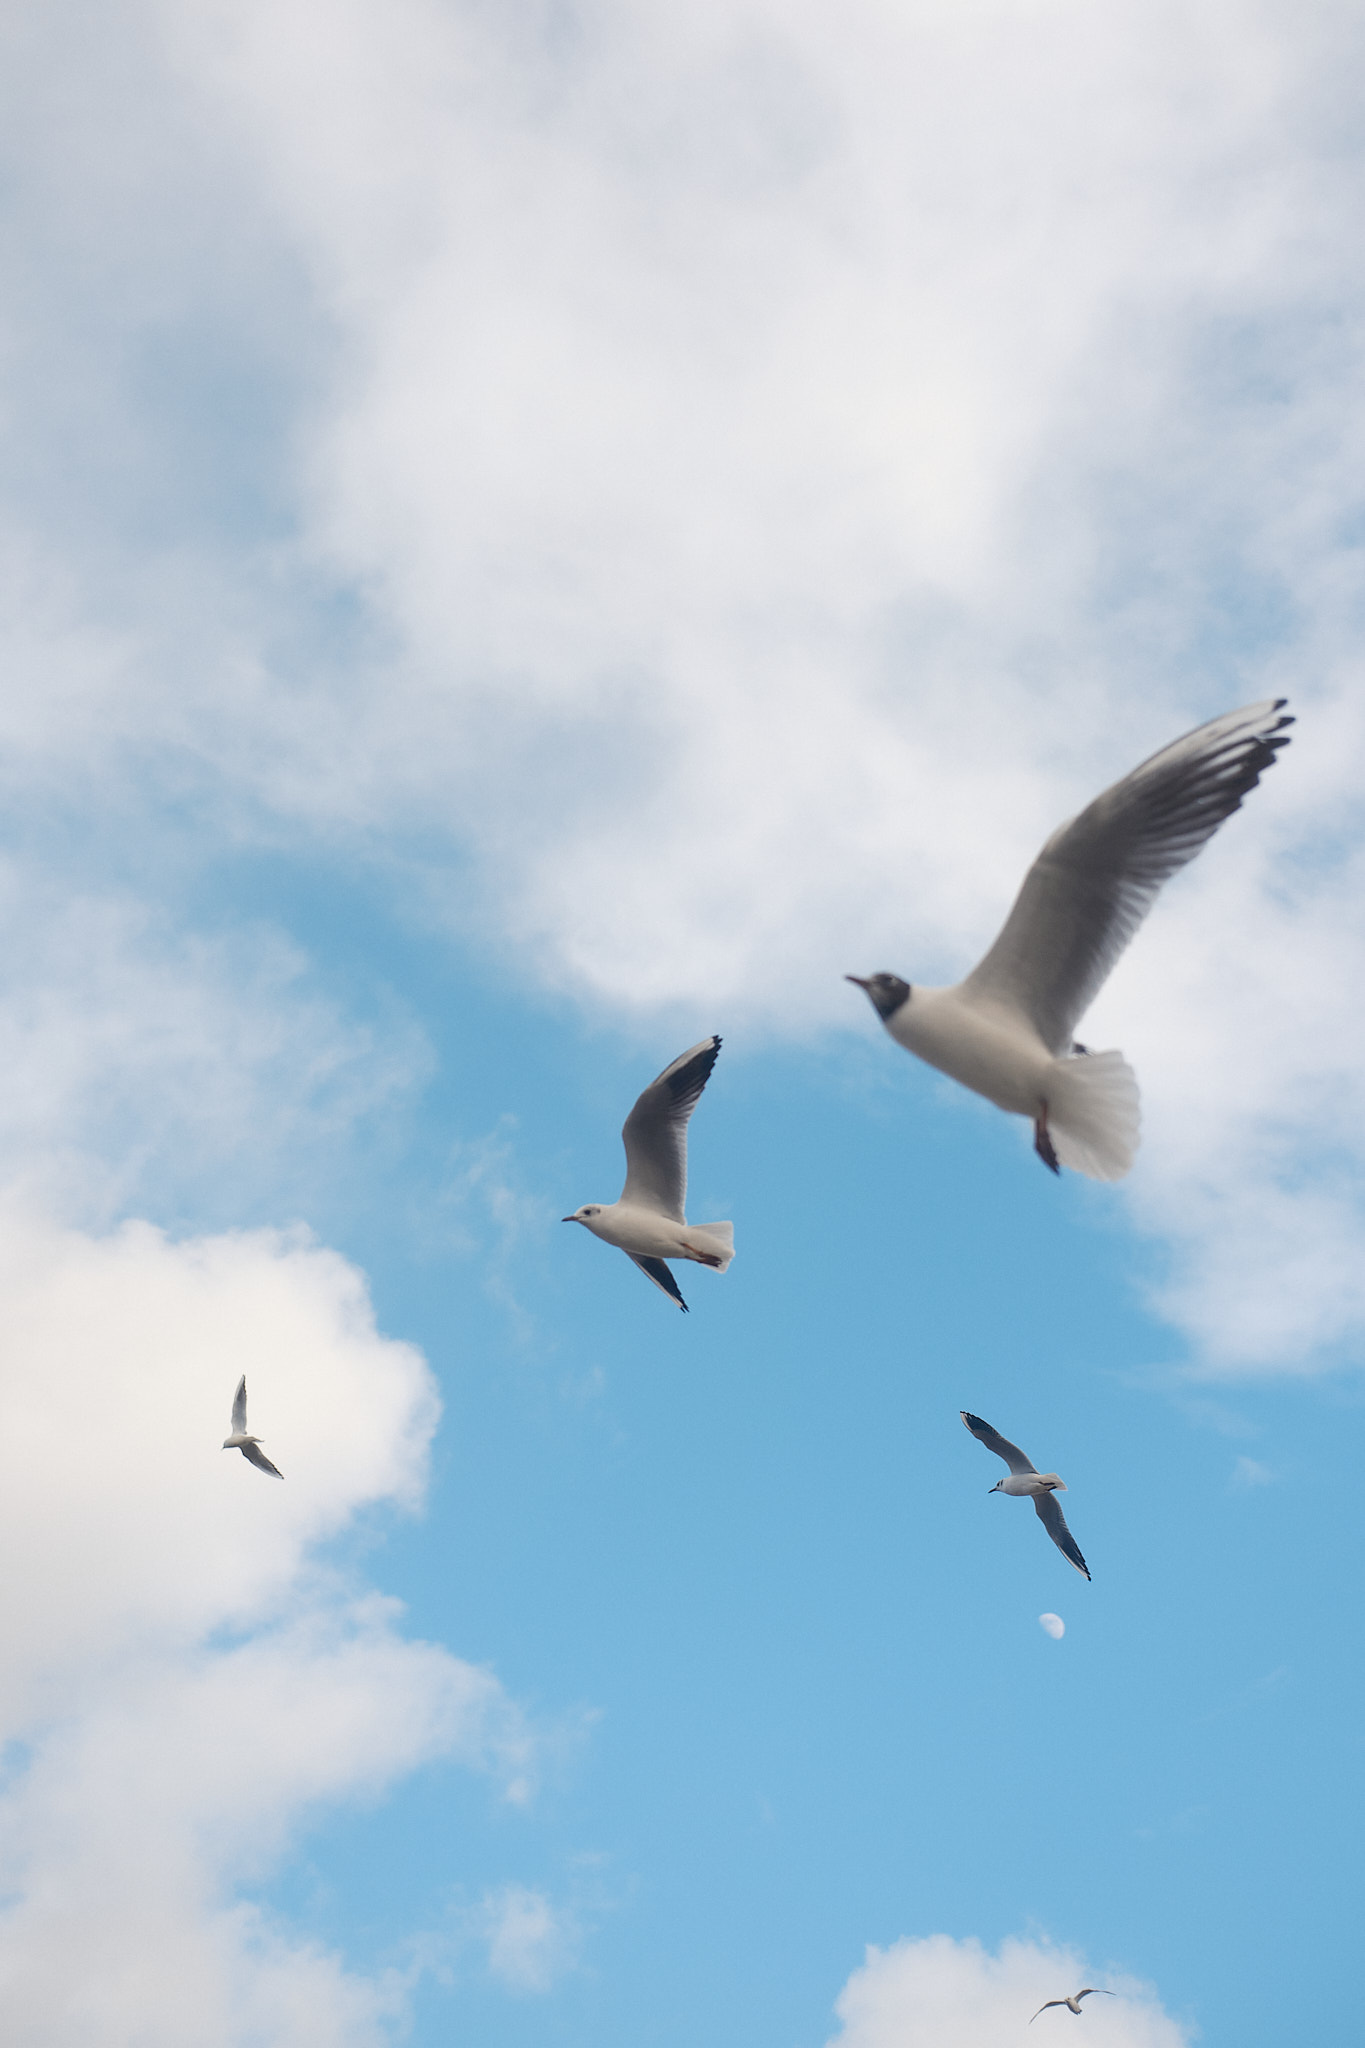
661 1275
257 1457
655 1132
1054 1521
1099 874
1001 1445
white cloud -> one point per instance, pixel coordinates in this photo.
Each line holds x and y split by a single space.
941 1993
184 1683
767 468
531 1942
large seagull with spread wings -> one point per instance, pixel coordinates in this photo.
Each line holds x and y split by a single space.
1008 1030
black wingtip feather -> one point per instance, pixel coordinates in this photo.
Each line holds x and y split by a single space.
662 1276
691 1079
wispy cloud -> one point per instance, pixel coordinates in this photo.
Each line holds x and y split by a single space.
488 1211
150 1058
530 1941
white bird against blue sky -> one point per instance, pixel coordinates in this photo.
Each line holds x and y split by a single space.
1073 2004
647 1223
1007 1030
240 1440
1027 1481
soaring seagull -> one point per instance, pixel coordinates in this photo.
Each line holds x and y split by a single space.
1008 1030
249 1446
648 1223
1073 2004
1026 1479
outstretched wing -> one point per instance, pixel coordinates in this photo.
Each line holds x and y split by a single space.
239 1408
257 1457
1090 1991
1048 2007
993 1441
655 1133
1054 1521
1098 875
661 1275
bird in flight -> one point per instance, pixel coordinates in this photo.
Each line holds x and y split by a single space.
1026 1479
1073 2004
1008 1030
249 1446
648 1223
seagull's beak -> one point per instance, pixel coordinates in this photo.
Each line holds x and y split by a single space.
568 1219
856 979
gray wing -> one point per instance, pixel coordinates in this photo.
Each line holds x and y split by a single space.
993 1441
254 1455
1098 875
662 1276
1090 1991
1048 2007
655 1132
1054 1521
239 1408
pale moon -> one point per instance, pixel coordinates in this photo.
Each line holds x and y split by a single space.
1053 1625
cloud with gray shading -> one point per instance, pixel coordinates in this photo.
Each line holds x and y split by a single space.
748 596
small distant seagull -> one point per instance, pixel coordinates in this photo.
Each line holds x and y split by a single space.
1025 1478
1008 1030
249 1446
1073 2004
647 1223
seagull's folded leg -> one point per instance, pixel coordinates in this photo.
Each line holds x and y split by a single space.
1042 1142
710 1244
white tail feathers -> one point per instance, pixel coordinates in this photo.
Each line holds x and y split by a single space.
1094 1114
716 1238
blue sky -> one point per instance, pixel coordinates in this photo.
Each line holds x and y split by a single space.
531 536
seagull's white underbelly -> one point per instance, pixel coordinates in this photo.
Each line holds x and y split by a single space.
993 1052
642 1231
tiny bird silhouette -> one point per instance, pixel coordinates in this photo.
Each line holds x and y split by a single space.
1073 2004
249 1446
